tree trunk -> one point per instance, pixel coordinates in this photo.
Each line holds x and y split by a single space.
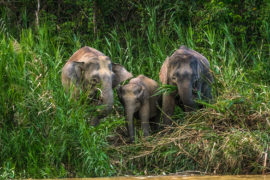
94 17
37 12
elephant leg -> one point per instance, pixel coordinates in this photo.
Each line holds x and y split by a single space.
199 94
168 104
144 117
155 123
94 121
206 91
130 123
130 128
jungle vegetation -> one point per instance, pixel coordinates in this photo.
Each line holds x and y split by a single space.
44 133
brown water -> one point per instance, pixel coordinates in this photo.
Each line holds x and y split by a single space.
244 177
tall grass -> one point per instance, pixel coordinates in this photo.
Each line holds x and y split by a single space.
229 136
45 133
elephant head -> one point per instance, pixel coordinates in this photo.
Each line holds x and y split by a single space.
189 71
90 70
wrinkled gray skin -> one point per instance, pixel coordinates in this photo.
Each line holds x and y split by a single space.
87 69
137 98
189 71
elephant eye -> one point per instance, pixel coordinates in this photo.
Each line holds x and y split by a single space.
175 75
94 80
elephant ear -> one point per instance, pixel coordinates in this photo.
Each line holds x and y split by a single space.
141 93
121 74
119 93
76 72
199 70
163 74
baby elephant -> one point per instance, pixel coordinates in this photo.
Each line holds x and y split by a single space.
138 98
190 72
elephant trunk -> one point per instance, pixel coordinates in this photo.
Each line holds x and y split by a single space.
185 93
107 100
107 96
129 112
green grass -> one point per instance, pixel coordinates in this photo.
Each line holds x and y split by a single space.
45 133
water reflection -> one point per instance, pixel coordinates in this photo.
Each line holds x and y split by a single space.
248 177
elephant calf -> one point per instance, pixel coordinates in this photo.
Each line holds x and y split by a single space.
138 97
189 71
86 69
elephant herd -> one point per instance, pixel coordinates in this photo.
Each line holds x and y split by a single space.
91 71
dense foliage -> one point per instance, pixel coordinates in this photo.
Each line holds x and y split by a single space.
45 133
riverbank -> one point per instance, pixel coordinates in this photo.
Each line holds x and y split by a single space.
239 177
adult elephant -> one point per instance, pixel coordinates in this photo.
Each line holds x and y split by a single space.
87 69
190 72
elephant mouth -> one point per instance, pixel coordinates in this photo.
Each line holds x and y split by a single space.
95 95
94 90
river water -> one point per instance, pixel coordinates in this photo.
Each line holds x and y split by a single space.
242 177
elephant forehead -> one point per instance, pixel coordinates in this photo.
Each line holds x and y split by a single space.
129 96
103 61
181 68
130 88
104 64
129 93
185 68
88 58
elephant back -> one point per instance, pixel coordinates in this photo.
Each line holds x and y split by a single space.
90 52
200 57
